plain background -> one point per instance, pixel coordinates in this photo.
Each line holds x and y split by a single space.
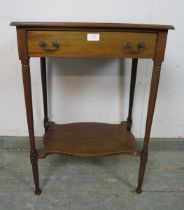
93 89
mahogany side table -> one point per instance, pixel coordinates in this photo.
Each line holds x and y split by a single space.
86 40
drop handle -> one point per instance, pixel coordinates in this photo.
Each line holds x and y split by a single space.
139 47
55 45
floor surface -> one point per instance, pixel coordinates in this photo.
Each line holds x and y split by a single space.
106 183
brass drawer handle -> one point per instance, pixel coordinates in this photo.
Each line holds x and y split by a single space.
55 45
139 47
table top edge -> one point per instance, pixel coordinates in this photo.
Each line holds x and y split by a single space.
92 25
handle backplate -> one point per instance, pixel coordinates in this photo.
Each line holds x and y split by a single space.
139 47
55 45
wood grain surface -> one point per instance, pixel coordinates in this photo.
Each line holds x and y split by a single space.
75 44
88 140
93 25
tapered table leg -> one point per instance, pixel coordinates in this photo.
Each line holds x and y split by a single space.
44 90
29 111
151 107
132 90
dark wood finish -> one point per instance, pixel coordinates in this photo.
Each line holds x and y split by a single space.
75 44
23 55
151 107
44 90
132 90
22 44
90 139
160 49
29 110
86 25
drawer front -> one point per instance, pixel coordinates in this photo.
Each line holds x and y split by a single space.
91 44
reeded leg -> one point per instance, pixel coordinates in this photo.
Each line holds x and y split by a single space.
151 107
29 111
132 90
44 90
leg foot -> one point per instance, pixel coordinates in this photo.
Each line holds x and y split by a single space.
38 192
34 162
143 160
138 190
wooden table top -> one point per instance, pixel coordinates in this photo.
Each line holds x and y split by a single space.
86 25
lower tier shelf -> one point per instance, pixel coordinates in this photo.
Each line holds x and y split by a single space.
88 140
